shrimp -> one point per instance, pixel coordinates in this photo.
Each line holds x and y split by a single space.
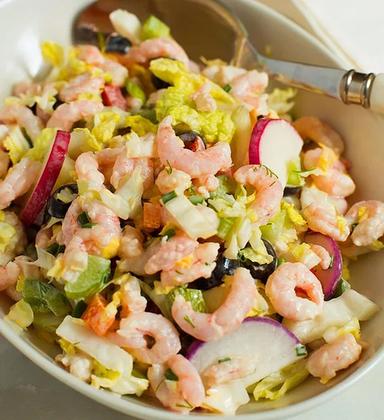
93 56
84 83
124 166
131 299
131 244
369 219
269 191
26 88
323 254
205 185
329 358
335 181
170 252
101 239
22 116
65 115
321 215
283 286
170 179
184 391
155 48
197 164
18 181
9 275
87 169
247 87
135 334
312 128
202 264
227 318
203 99
9 222
227 370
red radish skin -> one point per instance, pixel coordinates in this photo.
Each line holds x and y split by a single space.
47 179
331 276
274 143
112 96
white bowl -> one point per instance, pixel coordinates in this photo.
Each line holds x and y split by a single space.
24 25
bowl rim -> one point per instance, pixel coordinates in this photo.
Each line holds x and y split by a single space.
126 406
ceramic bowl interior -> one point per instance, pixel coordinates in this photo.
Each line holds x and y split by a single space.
23 28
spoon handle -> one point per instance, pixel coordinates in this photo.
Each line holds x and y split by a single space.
351 87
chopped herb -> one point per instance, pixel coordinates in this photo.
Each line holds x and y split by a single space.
168 197
269 171
186 405
301 350
280 261
84 221
227 87
169 233
101 41
55 249
79 309
225 359
332 261
196 199
189 320
171 375
169 168
341 287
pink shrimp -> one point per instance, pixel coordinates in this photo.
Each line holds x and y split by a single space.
124 166
323 254
9 275
184 391
105 232
206 184
197 164
131 299
269 191
226 371
170 252
87 169
140 326
335 181
18 181
65 115
321 215
369 219
155 48
227 318
329 358
312 128
248 87
202 264
284 284
22 116
75 258
84 83
26 88
204 100
92 55
131 244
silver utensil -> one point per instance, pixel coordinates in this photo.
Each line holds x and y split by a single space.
208 28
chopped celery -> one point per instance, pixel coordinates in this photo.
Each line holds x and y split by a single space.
194 296
154 28
135 91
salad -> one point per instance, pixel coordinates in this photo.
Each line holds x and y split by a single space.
174 229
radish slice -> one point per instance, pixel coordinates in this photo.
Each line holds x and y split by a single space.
274 143
260 340
48 176
112 96
330 277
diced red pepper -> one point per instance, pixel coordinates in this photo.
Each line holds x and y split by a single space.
96 316
112 96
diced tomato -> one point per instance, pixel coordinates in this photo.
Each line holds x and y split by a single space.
151 216
112 96
96 316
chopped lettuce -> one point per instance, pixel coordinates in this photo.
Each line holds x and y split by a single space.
45 298
135 91
138 147
52 53
91 280
140 125
280 100
259 256
105 124
194 296
42 144
351 327
277 384
154 28
82 140
16 144
113 367
226 398
21 313
7 232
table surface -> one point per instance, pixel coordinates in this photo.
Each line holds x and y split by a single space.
27 392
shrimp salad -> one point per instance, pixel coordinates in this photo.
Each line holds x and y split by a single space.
173 230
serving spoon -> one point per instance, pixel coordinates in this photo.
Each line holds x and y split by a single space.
208 28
